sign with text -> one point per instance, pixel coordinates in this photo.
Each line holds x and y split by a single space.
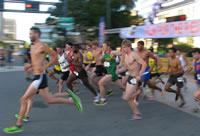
165 30
66 19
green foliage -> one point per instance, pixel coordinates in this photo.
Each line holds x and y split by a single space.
2 44
163 43
185 47
87 14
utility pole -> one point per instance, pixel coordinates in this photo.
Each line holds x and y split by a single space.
65 15
65 7
108 13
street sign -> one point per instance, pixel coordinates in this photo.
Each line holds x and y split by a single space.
66 19
68 26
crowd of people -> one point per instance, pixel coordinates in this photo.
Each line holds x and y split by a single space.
95 67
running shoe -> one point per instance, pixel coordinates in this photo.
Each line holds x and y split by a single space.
109 93
101 103
97 98
13 129
25 119
76 100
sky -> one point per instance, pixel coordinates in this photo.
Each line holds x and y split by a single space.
25 21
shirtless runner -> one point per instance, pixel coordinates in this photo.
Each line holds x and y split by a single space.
136 66
79 71
99 70
145 55
38 52
175 72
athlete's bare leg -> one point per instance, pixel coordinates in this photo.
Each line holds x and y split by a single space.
51 75
47 96
104 80
130 93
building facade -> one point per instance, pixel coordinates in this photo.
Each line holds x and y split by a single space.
171 8
9 28
144 7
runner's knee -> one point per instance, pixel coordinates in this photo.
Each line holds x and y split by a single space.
23 99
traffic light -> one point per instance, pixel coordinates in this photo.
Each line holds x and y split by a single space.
1 5
176 18
32 6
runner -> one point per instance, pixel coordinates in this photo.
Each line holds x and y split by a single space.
38 53
175 72
145 55
90 62
2 57
79 72
155 75
136 66
196 56
125 74
111 76
184 64
64 66
100 70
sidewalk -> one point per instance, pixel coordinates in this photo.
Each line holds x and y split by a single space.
169 98
11 68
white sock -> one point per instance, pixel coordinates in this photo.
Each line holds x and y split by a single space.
102 99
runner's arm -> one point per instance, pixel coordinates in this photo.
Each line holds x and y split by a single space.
79 63
180 68
116 53
142 62
53 55
159 62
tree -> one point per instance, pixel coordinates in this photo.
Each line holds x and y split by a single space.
88 12
185 47
163 43
2 44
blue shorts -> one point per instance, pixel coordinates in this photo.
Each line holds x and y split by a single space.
146 75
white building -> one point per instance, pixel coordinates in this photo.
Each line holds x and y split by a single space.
171 8
9 28
144 7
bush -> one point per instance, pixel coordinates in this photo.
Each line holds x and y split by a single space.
185 47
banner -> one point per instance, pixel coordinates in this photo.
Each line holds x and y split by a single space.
101 31
165 30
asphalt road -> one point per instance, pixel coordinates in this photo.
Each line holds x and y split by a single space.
110 120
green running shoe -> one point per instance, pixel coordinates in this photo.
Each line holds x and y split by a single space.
13 129
109 93
25 119
76 100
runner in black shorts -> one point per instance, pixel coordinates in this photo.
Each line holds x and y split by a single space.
79 71
38 52
175 71
100 70
64 67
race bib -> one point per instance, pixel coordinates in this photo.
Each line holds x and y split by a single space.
76 73
133 81
106 64
180 79
198 76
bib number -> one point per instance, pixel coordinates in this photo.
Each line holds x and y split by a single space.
198 76
180 79
133 81
106 64
76 73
